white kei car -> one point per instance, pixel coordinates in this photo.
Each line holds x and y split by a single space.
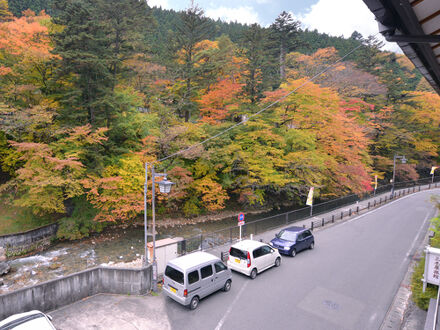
252 257
30 320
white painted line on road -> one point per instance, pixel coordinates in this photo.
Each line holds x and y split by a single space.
428 216
229 310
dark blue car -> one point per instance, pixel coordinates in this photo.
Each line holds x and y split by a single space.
291 240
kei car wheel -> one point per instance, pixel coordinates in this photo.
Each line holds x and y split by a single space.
278 262
253 273
227 286
194 302
293 253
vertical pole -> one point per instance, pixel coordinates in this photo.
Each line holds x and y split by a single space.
230 234
145 215
287 218
333 218
432 181
311 210
240 233
153 205
394 174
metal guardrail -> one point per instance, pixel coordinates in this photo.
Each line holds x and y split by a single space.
220 237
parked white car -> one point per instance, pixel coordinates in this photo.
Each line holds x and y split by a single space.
252 257
30 320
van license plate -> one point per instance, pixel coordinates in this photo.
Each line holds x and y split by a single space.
237 260
173 290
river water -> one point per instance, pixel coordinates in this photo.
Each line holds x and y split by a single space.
110 247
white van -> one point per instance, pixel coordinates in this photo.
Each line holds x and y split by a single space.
252 257
194 276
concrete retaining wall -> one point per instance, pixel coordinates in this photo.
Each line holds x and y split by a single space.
66 290
29 240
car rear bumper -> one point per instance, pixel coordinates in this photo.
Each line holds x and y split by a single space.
181 300
235 267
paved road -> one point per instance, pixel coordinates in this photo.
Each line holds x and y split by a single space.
347 282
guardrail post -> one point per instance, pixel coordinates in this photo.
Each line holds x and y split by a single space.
322 222
342 214
287 218
380 200
311 226
429 186
368 205
386 197
201 242
349 212
333 218
357 210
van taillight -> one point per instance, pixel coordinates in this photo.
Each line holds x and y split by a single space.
185 292
229 255
248 260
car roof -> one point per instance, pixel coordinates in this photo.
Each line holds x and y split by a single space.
28 320
193 259
294 229
248 244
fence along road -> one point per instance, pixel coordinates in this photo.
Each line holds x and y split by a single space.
323 214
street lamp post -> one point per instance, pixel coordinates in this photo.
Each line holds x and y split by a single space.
394 170
164 187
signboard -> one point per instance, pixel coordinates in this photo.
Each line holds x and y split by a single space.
433 169
310 197
241 219
375 182
432 267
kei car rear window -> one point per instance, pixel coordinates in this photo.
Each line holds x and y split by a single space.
237 253
174 274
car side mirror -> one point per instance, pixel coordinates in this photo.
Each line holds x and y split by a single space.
277 235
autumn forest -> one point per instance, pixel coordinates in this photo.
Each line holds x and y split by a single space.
90 90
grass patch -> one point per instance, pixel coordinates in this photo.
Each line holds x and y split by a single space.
16 220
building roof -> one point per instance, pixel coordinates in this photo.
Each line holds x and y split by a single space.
415 26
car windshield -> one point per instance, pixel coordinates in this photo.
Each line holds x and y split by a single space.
287 235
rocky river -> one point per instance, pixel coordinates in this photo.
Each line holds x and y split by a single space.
110 247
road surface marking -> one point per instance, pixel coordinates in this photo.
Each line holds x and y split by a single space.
229 310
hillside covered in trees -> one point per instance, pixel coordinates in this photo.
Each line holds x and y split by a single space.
90 90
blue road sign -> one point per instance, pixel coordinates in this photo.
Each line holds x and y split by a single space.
241 217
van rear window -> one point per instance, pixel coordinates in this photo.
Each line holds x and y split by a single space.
238 253
174 274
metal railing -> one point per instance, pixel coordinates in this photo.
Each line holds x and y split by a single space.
205 241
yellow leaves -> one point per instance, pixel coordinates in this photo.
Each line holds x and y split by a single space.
212 194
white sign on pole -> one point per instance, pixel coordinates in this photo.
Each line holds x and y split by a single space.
432 267
310 197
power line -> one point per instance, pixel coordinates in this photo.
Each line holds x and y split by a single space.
262 110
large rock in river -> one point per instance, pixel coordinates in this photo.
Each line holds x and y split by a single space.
4 267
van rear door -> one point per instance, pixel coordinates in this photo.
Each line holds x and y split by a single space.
174 281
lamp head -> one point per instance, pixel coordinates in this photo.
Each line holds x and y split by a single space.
165 186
